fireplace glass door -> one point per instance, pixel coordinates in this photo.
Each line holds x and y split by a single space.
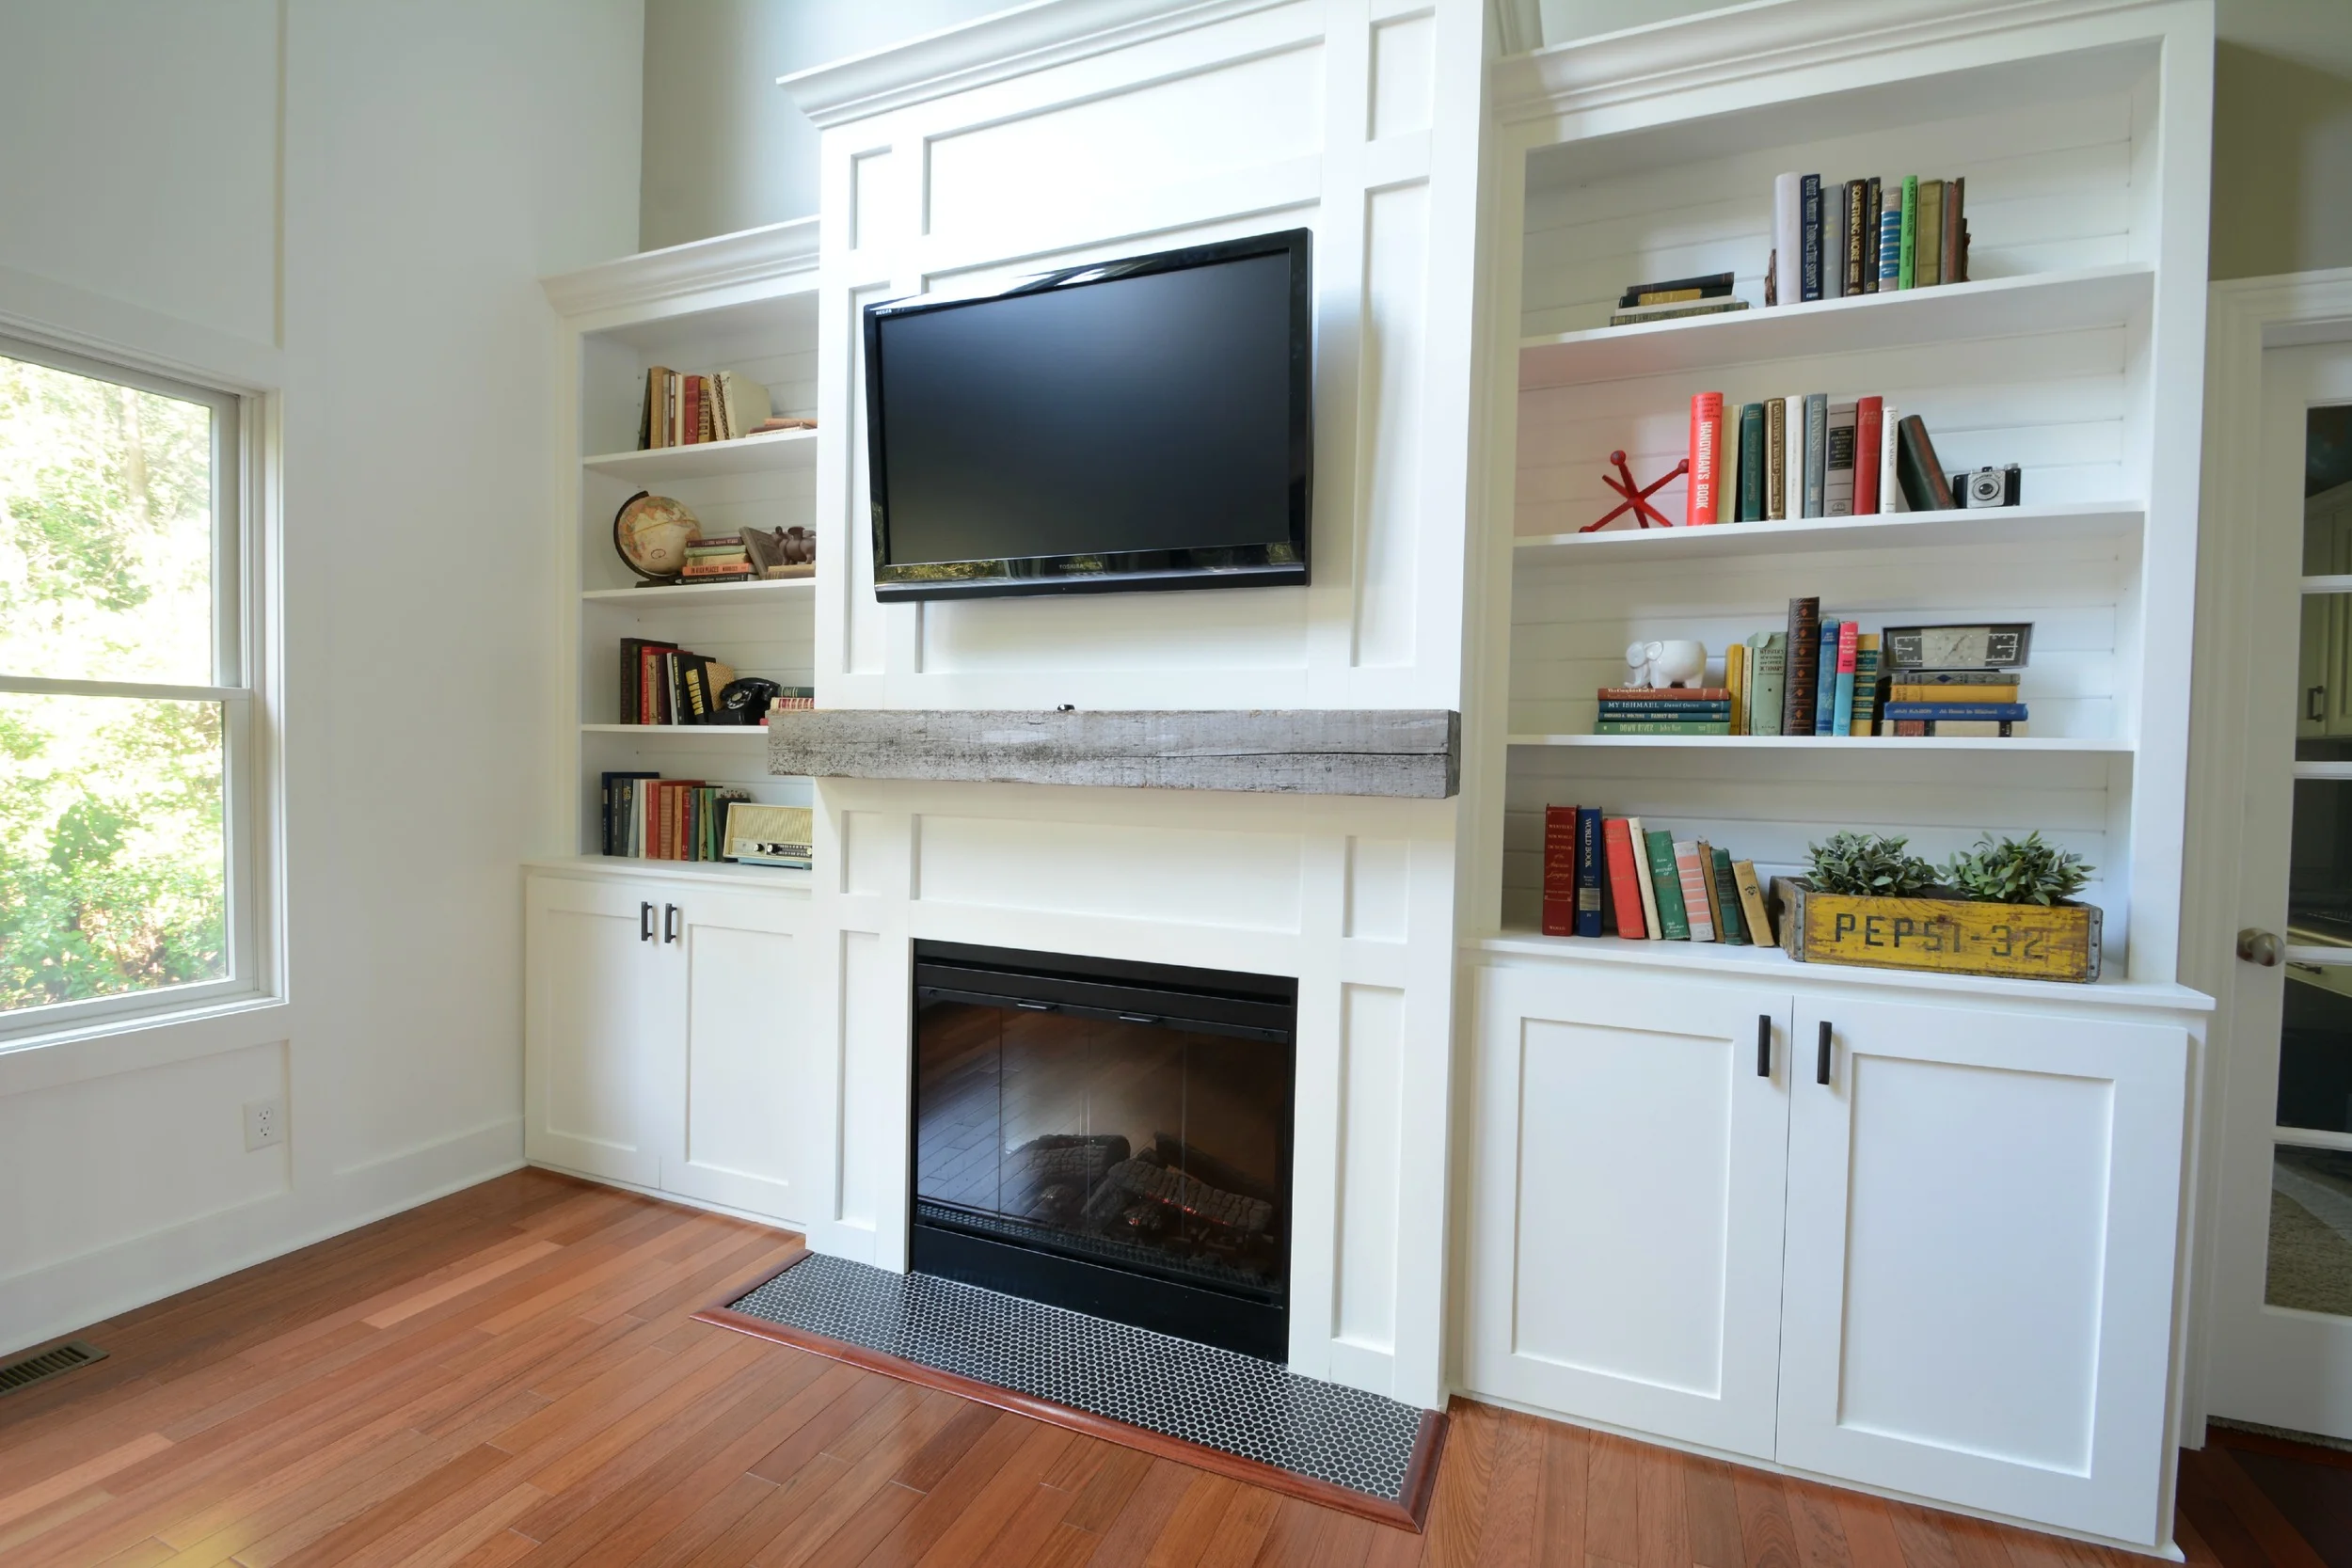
1109 1143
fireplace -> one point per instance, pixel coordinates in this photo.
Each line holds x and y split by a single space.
1110 1138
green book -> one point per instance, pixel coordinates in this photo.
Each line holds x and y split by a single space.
1728 925
1751 463
1911 231
1674 921
1768 675
1661 726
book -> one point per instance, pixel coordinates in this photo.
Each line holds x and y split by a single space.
1775 459
1890 445
1909 251
1838 464
1676 313
1768 672
1815 452
1729 925
1727 468
613 809
1707 450
1949 235
1826 704
1872 202
1665 883
1866 414
1890 239
1708 286
1559 907
1614 707
1736 677
1809 237
1927 267
1792 455
1752 459
1623 885
1832 240
1941 712
742 405
1952 686
1865 685
1802 679
1964 729
1665 693
1757 915
1861 226
1640 845
1588 871
1919 469
1849 651
1788 241
1662 726
1691 877
632 709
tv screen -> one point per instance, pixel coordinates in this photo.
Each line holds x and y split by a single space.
1138 425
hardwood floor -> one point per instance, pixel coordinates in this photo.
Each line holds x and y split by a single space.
512 1375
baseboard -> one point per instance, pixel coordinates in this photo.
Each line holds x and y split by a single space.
771 1220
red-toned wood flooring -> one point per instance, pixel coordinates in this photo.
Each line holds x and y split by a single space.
513 1374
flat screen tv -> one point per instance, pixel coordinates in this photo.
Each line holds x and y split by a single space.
1136 424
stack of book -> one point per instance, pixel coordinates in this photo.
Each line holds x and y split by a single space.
1956 681
1811 456
720 560
1669 710
1681 296
688 410
1865 236
664 684
1608 876
646 817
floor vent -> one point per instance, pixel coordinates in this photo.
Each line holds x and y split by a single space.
27 1370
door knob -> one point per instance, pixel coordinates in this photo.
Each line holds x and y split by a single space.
2258 946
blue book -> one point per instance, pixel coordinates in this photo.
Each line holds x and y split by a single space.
1986 711
1825 701
1809 226
1891 246
1588 871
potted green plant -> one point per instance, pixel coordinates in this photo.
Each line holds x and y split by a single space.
2003 907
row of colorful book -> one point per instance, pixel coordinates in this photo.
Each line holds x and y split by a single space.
646 817
1610 876
1865 236
682 410
1813 455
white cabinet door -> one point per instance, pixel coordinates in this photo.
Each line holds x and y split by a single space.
1625 1208
733 1091
1981 1213
596 1021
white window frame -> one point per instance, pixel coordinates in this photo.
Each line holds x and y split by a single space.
240 645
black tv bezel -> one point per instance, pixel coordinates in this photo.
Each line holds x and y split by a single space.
1275 562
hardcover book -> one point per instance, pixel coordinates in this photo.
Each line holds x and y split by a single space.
1865 684
1758 916
1736 677
1691 877
1792 454
1955 233
1825 702
1910 230
1867 416
1873 202
1917 468
1942 712
1804 672
1832 240
1665 881
1815 453
1559 910
1979 689
1751 463
1861 222
1890 240
1662 726
1890 486
1588 871
1775 459
1787 238
1927 269
1838 489
1809 235
1849 650
1624 885
1729 925
1649 884
1767 678
1707 453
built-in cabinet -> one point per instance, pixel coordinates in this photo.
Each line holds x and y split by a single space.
666 1036
1879 1238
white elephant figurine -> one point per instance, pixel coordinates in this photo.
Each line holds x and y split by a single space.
1658 665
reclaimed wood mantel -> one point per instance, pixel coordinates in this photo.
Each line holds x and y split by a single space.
1413 753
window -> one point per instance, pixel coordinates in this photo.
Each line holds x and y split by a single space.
126 714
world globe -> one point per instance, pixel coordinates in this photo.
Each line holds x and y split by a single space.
651 533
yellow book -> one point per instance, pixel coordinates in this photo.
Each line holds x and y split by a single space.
1899 693
1736 677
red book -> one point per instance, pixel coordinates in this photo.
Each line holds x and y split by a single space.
1559 871
696 385
1625 888
1869 418
1706 459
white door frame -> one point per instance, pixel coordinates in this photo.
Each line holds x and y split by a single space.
2245 317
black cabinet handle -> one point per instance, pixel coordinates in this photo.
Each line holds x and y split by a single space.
669 926
1763 1045
644 923
1820 1070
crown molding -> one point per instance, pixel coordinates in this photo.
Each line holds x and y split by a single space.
1014 43
752 256
1760 37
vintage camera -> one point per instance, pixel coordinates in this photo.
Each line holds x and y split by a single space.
1987 487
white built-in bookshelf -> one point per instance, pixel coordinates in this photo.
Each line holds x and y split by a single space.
2075 350
745 303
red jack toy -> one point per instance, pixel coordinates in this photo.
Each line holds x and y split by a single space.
1636 501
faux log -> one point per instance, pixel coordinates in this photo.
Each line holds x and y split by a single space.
1411 753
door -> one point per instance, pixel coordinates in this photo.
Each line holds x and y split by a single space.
1978 1305
1626 1206
595 1023
2283 1281
736 1087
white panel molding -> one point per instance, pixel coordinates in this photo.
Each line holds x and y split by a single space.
654 277
43 311
1011 43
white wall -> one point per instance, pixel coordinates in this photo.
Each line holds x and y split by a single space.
437 159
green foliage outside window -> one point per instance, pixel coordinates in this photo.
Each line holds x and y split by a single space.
112 868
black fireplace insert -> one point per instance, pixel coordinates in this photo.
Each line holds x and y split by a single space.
1110 1138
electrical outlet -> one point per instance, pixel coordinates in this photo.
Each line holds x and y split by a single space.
264 1123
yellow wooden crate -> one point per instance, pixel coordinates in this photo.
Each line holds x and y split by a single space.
1952 935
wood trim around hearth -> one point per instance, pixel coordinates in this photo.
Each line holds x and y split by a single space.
1408 1513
